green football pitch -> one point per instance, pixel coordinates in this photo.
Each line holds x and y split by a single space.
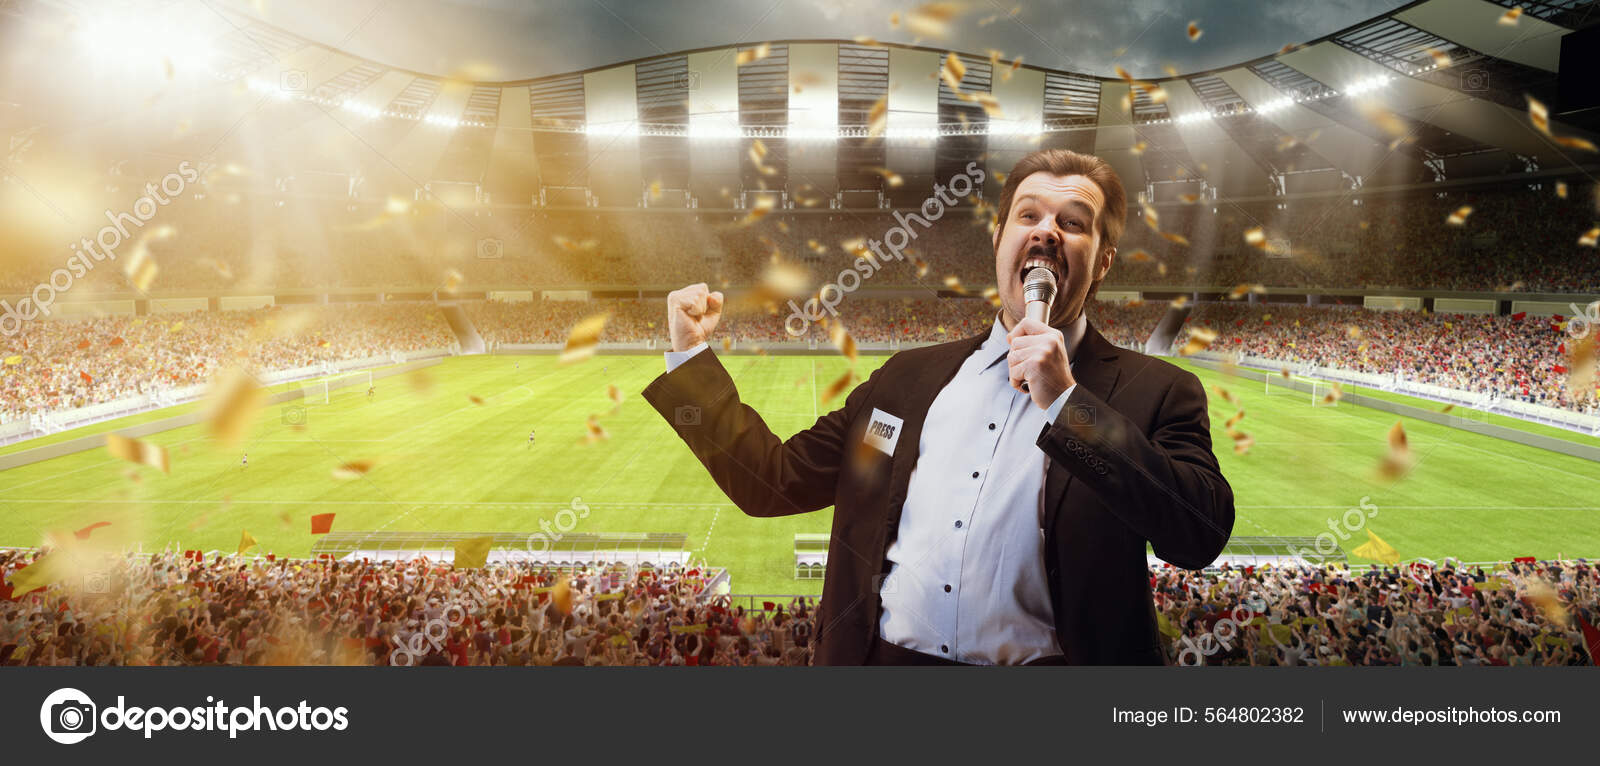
442 462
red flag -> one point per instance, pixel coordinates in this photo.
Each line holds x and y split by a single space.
272 557
1591 640
768 605
1524 559
86 377
1560 370
1519 316
83 534
321 523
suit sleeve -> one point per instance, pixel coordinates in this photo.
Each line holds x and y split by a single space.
760 473
1167 485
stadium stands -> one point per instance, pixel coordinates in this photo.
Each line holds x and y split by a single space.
171 609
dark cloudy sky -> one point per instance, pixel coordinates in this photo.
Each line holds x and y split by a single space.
516 39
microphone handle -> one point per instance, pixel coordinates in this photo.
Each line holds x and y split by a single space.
1039 310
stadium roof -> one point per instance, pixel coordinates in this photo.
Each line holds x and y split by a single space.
1435 90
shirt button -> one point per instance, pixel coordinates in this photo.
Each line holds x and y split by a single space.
944 648
974 474
991 426
947 588
958 523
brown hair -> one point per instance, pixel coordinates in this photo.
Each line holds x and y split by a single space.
1061 162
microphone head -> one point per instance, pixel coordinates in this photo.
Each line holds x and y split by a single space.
1039 285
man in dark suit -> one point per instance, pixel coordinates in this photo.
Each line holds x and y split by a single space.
984 513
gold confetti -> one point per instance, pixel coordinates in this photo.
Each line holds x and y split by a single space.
138 451
878 117
865 40
1352 331
1581 367
1440 58
1138 149
922 267
1227 396
655 190
354 469
1174 237
759 210
952 71
838 386
1188 199
1459 217
1509 18
1200 339
1574 142
890 178
478 400
1561 189
573 246
1140 256
842 340
953 283
1194 31
235 401
1590 237
596 432
584 338
561 596
1241 290
1171 70
993 296
1180 301
752 55
1335 393
452 280
932 20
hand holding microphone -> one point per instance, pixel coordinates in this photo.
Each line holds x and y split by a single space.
1038 357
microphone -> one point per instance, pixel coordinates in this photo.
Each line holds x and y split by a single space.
1038 293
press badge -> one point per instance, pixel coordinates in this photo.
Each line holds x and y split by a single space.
883 431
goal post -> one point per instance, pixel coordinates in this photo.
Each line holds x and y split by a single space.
1319 389
323 390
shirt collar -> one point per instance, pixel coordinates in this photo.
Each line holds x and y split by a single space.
995 346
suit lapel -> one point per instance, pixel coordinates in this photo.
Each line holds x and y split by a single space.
1095 369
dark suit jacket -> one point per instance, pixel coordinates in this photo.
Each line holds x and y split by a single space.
1130 462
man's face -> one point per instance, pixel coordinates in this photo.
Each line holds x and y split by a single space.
1052 222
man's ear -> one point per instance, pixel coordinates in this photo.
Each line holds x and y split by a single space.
1104 266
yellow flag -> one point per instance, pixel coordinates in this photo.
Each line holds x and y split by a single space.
48 569
1167 628
14 359
1377 550
474 553
246 542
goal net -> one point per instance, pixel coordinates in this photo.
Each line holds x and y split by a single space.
324 390
1322 392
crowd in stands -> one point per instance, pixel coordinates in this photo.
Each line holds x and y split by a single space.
54 365
1530 613
1522 358
1515 239
169 609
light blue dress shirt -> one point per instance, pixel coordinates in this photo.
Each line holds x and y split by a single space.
967 579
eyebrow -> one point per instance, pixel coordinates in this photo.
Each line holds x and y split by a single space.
1083 209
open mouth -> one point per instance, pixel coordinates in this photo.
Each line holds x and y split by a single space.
1040 257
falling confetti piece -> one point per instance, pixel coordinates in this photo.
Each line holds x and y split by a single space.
759 210
354 469
1188 199
137 451
1194 31
596 432
932 20
842 341
1138 149
584 338
1590 237
993 296
890 178
1200 339
952 71
953 283
838 386
1440 58
1561 189
235 402
752 55
1459 217
452 281
1226 395
1509 18
1335 393
878 117
1180 301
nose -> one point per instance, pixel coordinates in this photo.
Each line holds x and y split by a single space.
1044 235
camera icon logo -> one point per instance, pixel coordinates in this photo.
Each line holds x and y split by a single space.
67 716
97 583
686 415
490 248
292 81
1474 80
687 80
294 415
